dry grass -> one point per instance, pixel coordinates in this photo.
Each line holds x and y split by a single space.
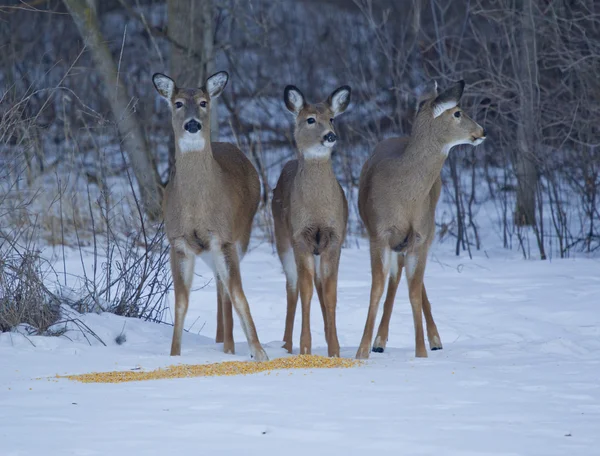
227 368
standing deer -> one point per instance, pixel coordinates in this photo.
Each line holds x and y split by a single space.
310 213
399 189
209 205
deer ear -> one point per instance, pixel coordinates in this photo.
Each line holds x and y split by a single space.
216 83
339 100
164 85
294 100
448 99
426 90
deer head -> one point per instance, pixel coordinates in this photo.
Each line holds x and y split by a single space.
190 109
314 131
444 121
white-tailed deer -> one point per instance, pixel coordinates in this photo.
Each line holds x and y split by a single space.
399 189
310 213
209 205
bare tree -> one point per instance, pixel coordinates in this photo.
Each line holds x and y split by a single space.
132 134
527 126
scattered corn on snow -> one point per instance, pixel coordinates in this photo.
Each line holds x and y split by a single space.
216 369
519 374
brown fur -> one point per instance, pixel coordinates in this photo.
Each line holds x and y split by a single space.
399 189
209 205
310 212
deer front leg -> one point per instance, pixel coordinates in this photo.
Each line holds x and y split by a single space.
291 287
435 343
379 270
329 274
415 270
292 302
227 267
182 270
305 264
226 319
388 305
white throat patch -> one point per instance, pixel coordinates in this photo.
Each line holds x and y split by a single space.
319 152
447 147
190 143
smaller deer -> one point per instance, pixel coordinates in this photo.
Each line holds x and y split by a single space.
399 189
310 213
209 205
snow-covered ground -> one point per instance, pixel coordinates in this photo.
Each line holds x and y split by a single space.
519 373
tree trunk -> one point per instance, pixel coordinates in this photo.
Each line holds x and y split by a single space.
132 135
526 168
190 25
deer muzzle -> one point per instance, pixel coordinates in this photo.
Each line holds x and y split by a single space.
330 138
192 126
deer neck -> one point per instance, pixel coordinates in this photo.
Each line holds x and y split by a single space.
428 155
194 165
309 165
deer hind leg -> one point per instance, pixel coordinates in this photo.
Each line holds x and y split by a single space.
220 291
329 278
182 270
226 312
435 343
415 269
291 285
305 264
225 257
397 261
319 287
380 264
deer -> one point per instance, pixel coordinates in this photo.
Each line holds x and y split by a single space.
209 206
399 188
310 213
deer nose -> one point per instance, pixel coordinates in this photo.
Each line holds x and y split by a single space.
330 137
192 126
484 133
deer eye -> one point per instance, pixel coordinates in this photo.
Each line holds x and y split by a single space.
331 120
203 104
178 104
310 120
457 114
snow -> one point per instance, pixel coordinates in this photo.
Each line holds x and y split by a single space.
519 373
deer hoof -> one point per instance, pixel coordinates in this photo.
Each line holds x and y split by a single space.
363 353
435 343
259 354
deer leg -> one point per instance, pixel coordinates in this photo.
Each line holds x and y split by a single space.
291 287
435 343
220 291
329 274
182 270
388 305
319 287
379 270
305 264
226 319
415 270
227 266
